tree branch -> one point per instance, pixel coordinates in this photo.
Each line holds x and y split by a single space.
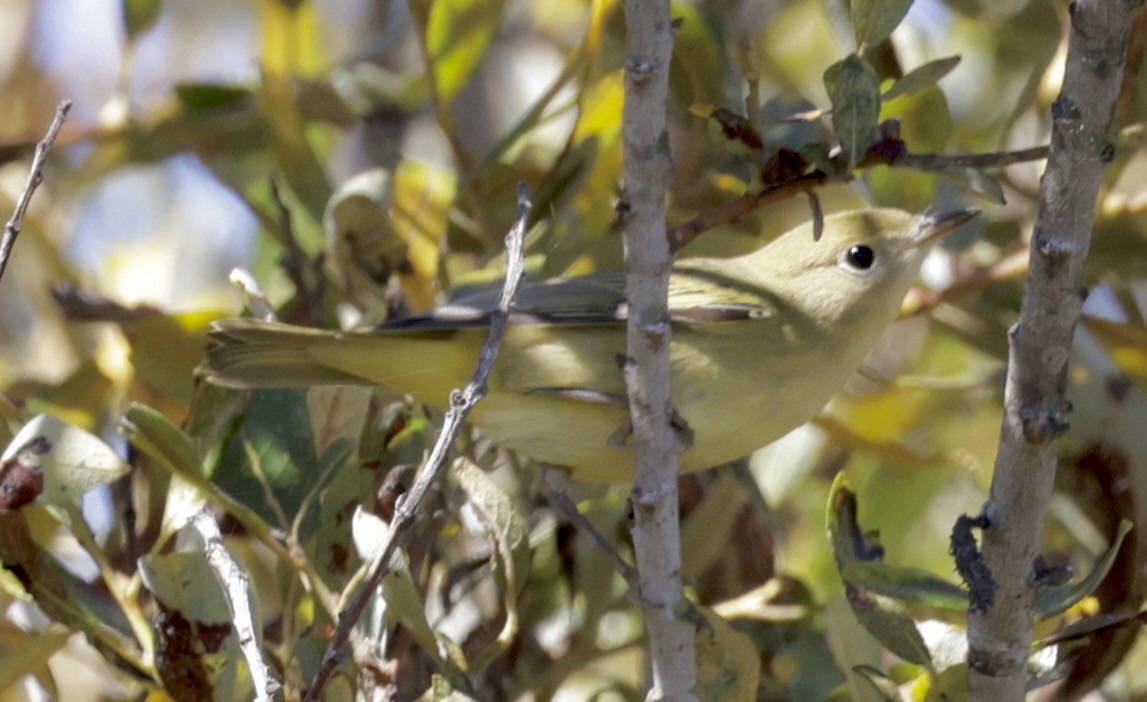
461 403
16 224
235 583
648 260
1036 410
787 174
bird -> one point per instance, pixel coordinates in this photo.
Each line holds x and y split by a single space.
760 343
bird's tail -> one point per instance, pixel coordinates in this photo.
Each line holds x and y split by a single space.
252 353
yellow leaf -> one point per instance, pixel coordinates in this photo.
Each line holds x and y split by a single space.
458 33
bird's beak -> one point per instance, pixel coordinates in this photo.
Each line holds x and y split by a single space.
934 225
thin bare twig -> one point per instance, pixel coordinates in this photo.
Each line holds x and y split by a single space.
300 268
995 159
461 403
788 176
557 496
235 583
16 224
1010 266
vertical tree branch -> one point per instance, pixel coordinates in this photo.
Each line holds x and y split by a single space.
1036 410
656 535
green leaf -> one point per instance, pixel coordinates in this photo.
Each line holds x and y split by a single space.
457 36
204 97
905 584
854 91
138 15
874 20
1055 600
159 439
923 77
269 462
881 616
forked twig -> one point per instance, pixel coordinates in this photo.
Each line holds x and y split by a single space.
461 403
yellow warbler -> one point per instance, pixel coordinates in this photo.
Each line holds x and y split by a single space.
760 343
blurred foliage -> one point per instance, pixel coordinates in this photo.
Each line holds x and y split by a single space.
361 158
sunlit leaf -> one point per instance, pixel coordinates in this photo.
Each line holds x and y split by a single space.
457 35
854 91
292 34
31 654
61 461
947 644
874 20
423 198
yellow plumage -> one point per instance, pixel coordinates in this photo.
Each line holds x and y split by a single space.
760 343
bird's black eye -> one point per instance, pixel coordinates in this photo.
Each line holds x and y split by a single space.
860 257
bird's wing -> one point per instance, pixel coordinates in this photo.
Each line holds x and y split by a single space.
566 336
599 298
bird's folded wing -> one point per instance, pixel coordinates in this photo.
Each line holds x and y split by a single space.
698 293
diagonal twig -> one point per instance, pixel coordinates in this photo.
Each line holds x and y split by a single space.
461 403
15 225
